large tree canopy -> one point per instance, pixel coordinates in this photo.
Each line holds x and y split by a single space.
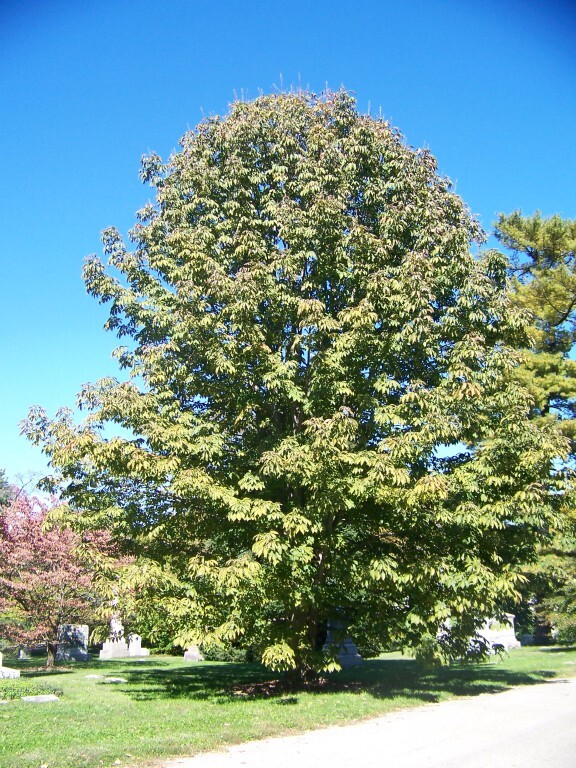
322 422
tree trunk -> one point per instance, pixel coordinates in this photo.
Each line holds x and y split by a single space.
51 649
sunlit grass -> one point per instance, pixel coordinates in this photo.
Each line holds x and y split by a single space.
169 707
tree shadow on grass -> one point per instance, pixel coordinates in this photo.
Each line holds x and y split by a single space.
202 681
36 667
43 672
30 667
558 648
380 678
126 665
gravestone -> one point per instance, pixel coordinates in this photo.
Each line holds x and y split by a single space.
116 646
72 642
135 646
42 698
114 649
500 633
7 671
192 653
348 655
23 654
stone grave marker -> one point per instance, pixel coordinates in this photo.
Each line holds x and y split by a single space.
348 655
72 642
192 653
135 646
116 646
8 671
500 633
40 699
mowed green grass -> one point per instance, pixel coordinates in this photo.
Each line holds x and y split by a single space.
170 707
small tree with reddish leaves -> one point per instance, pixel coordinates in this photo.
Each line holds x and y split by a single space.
44 580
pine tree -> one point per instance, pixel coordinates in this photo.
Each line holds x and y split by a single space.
543 266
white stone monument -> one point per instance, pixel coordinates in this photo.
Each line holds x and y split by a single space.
500 634
135 646
192 653
116 646
7 671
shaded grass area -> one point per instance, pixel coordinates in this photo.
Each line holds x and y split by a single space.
169 707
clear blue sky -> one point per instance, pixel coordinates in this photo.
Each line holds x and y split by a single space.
87 87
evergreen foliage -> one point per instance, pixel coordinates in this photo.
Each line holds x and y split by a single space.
5 489
543 266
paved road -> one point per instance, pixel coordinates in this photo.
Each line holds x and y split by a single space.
527 727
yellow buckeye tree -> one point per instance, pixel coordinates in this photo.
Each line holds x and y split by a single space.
322 425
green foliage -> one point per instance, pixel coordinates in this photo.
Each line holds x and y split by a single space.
323 420
5 489
543 262
226 653
550 590
543 265
15 688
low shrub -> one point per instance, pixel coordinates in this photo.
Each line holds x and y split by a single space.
15 688
227 653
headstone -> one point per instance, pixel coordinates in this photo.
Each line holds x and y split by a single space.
72 642
114 649
192 653
135 646
116 646
41 699
348 655
7 671
500 633
23 654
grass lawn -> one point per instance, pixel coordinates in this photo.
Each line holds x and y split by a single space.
171 707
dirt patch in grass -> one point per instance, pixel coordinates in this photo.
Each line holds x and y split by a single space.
280 687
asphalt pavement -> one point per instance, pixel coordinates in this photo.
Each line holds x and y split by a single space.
526 727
